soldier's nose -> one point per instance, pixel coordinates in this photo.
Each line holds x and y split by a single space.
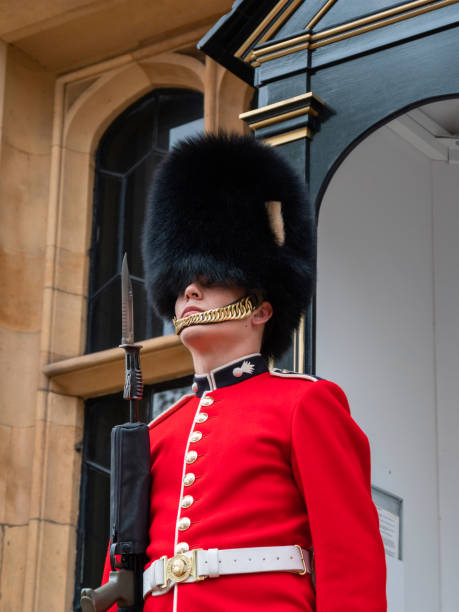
193 291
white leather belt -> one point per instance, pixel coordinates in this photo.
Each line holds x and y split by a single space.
198 564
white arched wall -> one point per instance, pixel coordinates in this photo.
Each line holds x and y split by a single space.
387 332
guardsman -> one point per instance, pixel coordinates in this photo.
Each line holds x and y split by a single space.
257 475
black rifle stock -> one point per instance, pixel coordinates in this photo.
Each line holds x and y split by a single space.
129 519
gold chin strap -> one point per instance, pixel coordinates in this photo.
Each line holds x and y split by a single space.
240 309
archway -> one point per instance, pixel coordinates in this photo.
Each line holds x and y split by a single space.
387 321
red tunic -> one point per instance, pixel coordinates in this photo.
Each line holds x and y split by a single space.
280 462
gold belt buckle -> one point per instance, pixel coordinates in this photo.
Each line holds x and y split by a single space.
304 570
181 567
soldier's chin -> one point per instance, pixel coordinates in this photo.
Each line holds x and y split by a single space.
200 331
196 330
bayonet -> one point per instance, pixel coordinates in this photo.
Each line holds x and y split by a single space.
127 305
129 483
133 383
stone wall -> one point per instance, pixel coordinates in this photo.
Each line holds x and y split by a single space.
50 126
26 116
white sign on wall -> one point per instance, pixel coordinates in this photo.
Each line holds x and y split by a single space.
389 526
389 509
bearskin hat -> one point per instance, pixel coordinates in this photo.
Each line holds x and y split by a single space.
231 210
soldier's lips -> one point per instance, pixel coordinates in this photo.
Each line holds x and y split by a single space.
189 311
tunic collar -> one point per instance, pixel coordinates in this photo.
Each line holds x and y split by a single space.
229 374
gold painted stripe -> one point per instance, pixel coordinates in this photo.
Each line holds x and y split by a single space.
268 53
272 13
278 118
382 24
275 141
280 22
295 349
275 26
300 336
271 56
371 18
318 16
281 45
277 105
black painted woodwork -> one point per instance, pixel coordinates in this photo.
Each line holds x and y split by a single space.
364 80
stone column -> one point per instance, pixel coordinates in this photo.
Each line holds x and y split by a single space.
26 112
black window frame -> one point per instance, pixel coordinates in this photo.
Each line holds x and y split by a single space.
112 407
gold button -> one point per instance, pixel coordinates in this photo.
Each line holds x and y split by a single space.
195 436
189 479
181 548
187 501
207 401
184 523
202 417
191 456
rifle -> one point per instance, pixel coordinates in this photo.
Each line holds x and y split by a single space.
130 481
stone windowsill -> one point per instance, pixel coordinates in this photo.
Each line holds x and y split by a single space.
163 358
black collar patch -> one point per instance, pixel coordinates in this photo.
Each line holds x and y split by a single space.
229 374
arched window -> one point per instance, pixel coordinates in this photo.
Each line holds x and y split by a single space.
126 157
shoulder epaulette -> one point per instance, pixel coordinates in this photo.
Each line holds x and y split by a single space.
290 374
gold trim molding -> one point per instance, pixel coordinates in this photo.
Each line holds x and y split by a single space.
163 358
278 112
278 23
332 35
281 18
307 110
320 13
281 139
299 346
347 30
279 105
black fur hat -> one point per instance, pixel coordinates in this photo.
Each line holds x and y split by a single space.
207 216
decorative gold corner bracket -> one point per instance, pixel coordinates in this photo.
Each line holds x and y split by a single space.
281 139
294 116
